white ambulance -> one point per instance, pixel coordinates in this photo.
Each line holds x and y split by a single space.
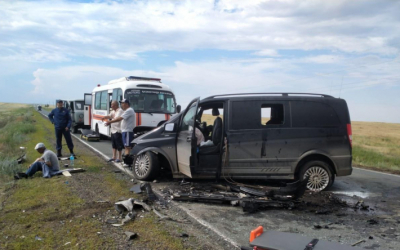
153 102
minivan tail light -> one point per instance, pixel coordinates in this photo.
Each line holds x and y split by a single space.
350 134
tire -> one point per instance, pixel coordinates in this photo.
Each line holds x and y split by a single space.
321 176
146 166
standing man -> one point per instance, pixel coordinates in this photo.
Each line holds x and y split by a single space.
127 124
61 119
47 163
116 136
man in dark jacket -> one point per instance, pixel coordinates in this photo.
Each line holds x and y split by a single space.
61 119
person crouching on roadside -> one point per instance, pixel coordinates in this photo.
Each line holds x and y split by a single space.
116 135
47 163
127 120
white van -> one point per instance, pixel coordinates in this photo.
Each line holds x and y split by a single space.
153 102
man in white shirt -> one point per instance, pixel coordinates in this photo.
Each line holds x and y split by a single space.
116 135
127 119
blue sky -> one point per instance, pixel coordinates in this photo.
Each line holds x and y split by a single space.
348 49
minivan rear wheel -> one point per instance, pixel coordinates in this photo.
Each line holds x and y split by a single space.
146 166
320 175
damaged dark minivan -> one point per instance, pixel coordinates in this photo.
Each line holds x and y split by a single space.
271 136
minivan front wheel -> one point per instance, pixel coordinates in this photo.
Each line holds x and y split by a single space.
146 166
319 173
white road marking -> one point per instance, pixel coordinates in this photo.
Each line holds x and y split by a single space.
377 172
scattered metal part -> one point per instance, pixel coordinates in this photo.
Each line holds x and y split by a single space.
162 217
129 216
112 221
102 202
137 189
184 235
123 206
130 235
38 238
150 194
141 203
372 222
252 191
183 182
358 242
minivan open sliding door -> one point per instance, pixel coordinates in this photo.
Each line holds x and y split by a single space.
186 142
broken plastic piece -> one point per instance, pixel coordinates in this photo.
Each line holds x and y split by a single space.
123 206
130 235
136 189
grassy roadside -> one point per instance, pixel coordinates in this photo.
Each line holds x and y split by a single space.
376 146
63 210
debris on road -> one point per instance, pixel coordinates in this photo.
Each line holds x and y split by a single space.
137 189
162 217
130 235
250 199
184 235
358 242
128 217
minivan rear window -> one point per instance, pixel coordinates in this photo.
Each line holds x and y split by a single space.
313 114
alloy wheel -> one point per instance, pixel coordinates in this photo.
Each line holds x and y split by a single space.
142 165
318 178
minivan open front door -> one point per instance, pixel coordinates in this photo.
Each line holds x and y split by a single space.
186 143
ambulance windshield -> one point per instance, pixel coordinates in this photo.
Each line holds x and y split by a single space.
151 101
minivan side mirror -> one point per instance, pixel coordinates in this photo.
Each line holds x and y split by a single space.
178 109
169 127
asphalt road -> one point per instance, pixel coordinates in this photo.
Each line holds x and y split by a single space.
380 191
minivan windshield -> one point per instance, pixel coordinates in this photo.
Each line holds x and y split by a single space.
151 101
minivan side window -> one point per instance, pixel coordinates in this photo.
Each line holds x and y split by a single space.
272 114
245 115
313 114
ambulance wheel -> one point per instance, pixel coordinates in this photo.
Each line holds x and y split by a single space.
146 166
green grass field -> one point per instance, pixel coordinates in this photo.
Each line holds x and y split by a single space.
55 209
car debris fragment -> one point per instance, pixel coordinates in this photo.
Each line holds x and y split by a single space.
137 189
130 235
249 198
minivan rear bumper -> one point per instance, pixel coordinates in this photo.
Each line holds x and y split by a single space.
343 165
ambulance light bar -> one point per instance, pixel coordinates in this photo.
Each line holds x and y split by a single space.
138 78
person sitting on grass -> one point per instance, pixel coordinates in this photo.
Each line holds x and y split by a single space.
47 163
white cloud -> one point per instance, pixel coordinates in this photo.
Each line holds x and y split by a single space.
189 80
267 52
62 30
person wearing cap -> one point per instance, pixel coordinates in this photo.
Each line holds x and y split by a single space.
116 136
61 118
47 163
127 124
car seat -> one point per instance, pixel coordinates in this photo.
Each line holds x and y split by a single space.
216 139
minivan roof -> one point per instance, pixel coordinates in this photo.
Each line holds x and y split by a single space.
249 95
